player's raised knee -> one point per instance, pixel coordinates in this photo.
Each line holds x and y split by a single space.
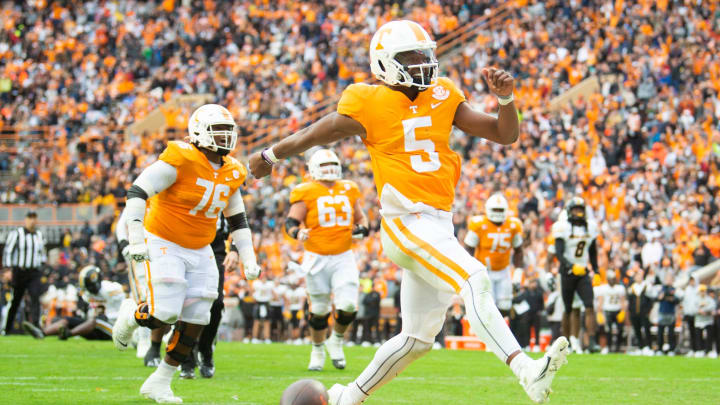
478 283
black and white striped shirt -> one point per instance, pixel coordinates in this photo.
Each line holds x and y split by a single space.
24 249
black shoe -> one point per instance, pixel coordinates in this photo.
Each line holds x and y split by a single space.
152 358
36 332
207 366
187 373
63 333
593 346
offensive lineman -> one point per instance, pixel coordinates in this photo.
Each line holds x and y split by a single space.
329 209
406 124
495 237
187 187
575 248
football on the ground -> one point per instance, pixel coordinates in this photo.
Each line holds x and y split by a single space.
305 392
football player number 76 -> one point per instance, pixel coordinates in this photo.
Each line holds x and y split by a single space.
426 145
217 191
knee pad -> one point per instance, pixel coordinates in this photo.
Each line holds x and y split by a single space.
318 322
180 345
345 318
144 319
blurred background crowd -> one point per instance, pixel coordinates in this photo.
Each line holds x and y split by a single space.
643 148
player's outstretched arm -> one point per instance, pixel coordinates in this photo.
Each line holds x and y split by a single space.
241 235
504 129
330 128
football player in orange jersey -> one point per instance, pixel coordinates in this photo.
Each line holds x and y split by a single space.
406 124
328 207
495 238
187 188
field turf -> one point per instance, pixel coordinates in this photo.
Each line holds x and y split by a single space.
82 372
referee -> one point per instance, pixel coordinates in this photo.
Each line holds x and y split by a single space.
25 254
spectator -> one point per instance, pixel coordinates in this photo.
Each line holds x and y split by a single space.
639 306
371 302
704 323
668 300
690 301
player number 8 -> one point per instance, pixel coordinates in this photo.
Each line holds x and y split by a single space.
580 249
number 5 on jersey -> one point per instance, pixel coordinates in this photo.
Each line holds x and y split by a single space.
218 192
413 144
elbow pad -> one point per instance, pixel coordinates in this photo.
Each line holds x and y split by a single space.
238 221
292 227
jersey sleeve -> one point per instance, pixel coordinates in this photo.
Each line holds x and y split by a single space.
173 153
517 234
354 190
239 172
456 95
560 230
298 193
352 102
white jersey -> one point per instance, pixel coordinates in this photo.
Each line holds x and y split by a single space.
577 239
612 296
278 294
705 305
295 298
110 296
262 290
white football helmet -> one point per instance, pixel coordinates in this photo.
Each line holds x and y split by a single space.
496 208
402 36
212 127
325 165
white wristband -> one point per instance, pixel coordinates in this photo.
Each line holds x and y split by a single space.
505 100
270 155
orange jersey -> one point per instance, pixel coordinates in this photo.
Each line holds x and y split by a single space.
186 212
330 213
495 243
408 140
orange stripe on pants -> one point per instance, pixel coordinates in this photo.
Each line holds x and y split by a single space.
151 299
419 259
428 248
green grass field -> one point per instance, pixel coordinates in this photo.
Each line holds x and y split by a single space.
82 372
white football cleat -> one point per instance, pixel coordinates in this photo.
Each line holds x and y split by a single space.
158 389
575 344
125 324
539 374
317 359
334 347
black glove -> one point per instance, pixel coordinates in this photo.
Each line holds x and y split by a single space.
360 231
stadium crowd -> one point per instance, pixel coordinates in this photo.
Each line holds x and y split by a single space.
644 150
